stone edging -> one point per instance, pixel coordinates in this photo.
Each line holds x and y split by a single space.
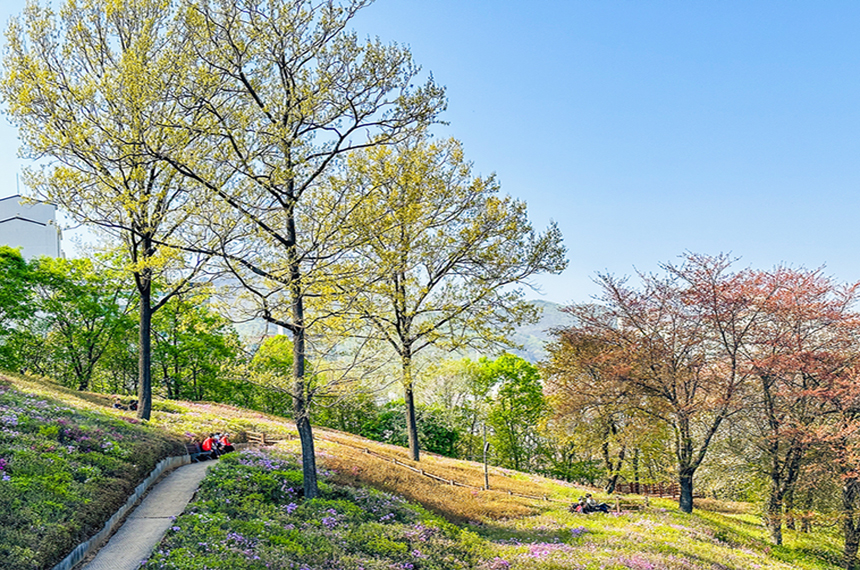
86 548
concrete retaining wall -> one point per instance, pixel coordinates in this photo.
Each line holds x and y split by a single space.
113 523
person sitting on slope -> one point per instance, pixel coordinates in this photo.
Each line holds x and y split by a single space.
594 506
208 446
226 446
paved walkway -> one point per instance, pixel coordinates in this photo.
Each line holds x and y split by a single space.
146 524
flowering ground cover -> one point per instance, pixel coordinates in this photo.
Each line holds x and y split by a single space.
249 513
542 535
659 539
63 472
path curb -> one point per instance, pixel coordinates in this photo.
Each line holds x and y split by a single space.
86 548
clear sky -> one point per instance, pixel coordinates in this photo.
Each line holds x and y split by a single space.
647 129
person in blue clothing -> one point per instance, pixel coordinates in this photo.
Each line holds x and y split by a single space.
593 506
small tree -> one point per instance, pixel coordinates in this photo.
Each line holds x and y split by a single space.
15 288
807 316
682 338
196 349
272 371
839 388
85 307
462 388
516 412
584 377
16 305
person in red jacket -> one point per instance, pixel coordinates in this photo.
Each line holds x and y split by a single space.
226 446
208 446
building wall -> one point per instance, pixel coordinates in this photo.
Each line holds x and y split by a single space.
31 227
14 206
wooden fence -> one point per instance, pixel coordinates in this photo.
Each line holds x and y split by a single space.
652 490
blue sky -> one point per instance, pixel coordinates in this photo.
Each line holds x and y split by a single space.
647 129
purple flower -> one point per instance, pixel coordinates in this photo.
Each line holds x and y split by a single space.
499 564
578 531
636 562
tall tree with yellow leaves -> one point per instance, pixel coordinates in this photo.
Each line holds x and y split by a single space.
444 262
88 90
280 91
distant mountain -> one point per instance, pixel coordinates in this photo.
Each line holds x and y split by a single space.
534 337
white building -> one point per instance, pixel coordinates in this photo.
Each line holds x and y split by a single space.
31 226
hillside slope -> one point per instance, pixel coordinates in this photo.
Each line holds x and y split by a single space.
522 521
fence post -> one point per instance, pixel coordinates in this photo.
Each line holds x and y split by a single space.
486 469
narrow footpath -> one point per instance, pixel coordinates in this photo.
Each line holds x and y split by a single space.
147 523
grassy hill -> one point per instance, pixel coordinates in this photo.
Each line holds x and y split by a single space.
378 509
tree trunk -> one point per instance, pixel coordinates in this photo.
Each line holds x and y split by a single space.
302 395
636 470
613 469
686 464
411 422
850 523
309 467
773 515
611 484
773 508
806 515
849 553
789 509
302 411
144 367
685 498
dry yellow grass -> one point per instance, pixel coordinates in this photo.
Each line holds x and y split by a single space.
347 456
459 504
